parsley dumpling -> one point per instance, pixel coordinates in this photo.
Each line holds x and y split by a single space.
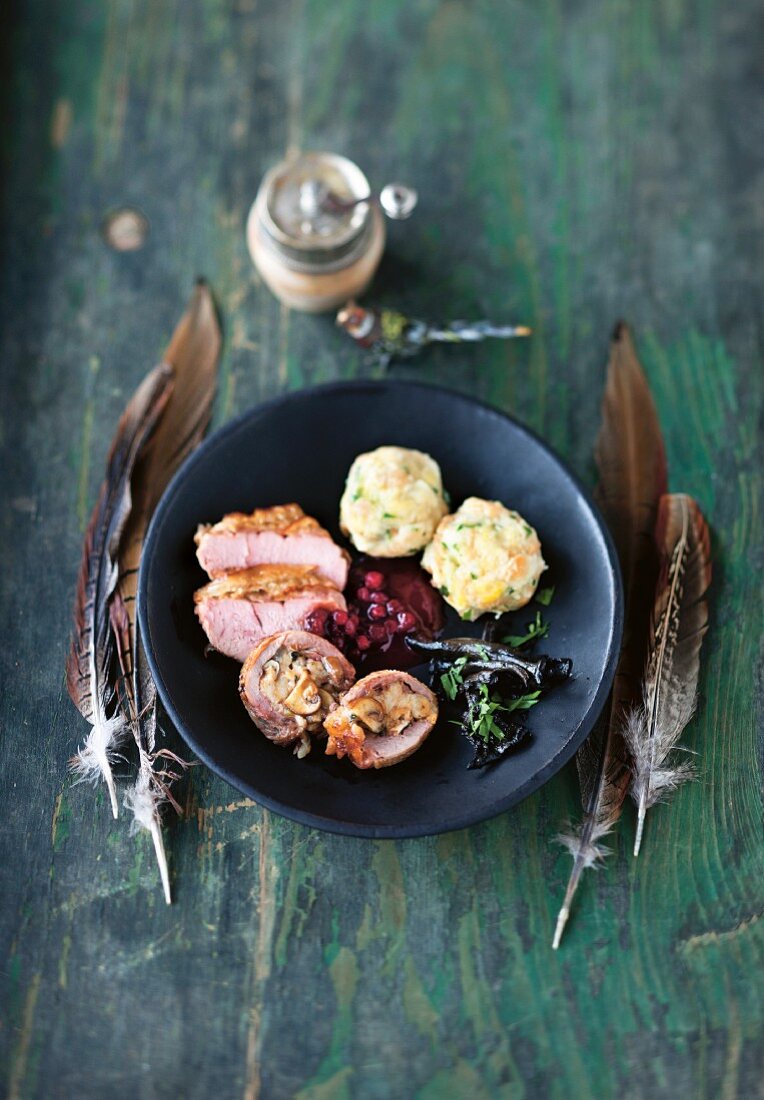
393 501
484 558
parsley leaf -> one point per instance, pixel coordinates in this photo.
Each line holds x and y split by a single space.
480 717
524 702
537 629
544 596
452 680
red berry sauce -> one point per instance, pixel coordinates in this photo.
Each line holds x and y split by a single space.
387 599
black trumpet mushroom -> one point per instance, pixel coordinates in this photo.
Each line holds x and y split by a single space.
492 681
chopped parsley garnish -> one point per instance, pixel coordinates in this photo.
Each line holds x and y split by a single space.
480 717
544 596
443 590
358 494
389 515
474 576
528 530
462 526
523 702
452 680
537 629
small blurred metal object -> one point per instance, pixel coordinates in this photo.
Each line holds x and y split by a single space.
397 200
125 230
387 335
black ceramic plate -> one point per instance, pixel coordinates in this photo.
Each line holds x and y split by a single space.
299 447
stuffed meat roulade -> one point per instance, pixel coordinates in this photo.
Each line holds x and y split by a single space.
290 683
381 720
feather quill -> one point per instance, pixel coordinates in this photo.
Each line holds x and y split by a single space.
90 662
192 357
678 623
631 462
138 698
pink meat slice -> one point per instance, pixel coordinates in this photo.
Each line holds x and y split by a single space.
279 535
238 610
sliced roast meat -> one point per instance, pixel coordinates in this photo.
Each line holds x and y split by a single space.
381 720
238 610
282 534
290 683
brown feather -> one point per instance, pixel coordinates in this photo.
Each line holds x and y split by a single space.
192 356
631 461
678 623
89 666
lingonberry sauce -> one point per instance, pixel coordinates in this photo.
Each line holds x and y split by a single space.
387 599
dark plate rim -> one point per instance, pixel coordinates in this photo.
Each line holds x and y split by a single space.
350 828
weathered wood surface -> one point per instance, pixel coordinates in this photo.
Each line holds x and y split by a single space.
577 163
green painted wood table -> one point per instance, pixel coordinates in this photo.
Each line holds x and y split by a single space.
577 163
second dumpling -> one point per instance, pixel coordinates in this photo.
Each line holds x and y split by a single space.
484 558
393 501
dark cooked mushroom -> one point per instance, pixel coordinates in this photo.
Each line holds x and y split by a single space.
539 671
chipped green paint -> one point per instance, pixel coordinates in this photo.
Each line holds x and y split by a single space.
461 1079
299 898
61 821
20 1056
334 1074
574 166
83 481
417 1006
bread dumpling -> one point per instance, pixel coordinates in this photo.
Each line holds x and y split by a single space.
393 501
484 558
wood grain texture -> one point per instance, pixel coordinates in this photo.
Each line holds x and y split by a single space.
577 163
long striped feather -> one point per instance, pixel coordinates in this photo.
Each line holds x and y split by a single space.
90 674
631 461
678 624
192 357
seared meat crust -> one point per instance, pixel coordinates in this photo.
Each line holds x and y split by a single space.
263 582
282 533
